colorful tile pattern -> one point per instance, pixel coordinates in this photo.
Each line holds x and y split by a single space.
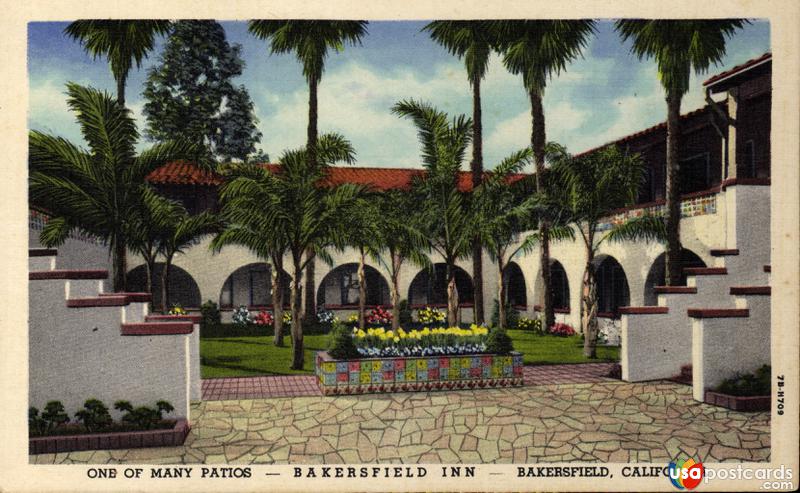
417 373
696 206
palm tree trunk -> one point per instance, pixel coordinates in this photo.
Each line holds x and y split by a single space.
297 328
537 145
452 297
119 259
477 177
501 294
277 300
150 268
589 308
395 289
673 199
362 290
310 309
165 284
121 89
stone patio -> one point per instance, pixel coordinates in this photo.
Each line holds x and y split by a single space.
608 421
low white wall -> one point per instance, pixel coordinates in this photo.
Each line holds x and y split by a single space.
654 346
722 347
78 353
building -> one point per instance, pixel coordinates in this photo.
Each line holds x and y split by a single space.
725 145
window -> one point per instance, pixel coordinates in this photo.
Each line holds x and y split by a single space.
560 284
695 173
612 286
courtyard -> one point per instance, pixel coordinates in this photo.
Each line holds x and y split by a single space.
603 420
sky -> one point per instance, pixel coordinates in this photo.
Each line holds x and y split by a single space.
604 95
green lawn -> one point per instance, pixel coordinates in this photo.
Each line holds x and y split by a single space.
546 350
255 355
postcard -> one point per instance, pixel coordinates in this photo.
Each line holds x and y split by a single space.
400 247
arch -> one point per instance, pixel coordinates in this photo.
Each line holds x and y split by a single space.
430 288
656 276
183 289
612 285
514 281
340 287
560 284
251 285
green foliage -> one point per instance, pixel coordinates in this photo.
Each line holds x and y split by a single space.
531 324
143 417
748 384
36 425
54 414
512 316
342 345
209 311
405 316
94 415
498 341
190 94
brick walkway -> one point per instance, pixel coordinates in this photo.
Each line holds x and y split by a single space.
221 389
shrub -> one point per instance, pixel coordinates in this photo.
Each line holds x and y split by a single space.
531 324
561 330
54 415
404 313
241 316
263 318
342 345
512 316
209 311
143 417
324 316
498 341
748 384
94 415
36 425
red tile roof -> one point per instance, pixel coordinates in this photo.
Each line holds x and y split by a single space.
185 173
738 68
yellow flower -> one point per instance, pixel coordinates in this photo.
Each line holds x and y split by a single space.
396 339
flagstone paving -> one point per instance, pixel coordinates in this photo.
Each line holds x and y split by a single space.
609 421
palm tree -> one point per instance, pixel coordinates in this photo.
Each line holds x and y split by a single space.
148 226
310 41
400 235
182 231
536 49
473 41
295 201
446 211
242 196
678 47
98 191
587 189
121 42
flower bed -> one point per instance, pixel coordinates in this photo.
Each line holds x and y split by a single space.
392 374
169 437
379 342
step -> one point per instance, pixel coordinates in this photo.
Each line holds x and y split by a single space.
97 301
718 312
131 296
182 318
724 252
643 310
705 271
42 259
675 290
751 290
156 328
67 274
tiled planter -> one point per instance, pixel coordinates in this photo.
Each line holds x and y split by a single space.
738 403
398 374
169 437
